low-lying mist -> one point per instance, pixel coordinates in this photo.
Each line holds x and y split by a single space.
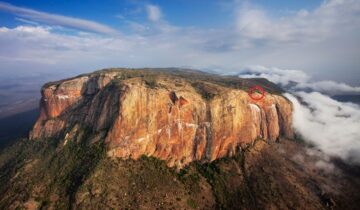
330 125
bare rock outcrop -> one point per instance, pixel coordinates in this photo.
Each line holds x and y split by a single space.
165 116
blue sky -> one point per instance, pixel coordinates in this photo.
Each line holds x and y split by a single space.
115 13
199 13
318 37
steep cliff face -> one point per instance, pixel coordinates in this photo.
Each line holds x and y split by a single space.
170 116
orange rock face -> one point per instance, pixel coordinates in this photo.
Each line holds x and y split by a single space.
171 121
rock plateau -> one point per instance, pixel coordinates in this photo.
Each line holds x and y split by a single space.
177 116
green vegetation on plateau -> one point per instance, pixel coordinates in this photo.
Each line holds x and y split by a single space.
150 75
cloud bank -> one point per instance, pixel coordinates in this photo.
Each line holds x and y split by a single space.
254 23
330 125
276 75
297 80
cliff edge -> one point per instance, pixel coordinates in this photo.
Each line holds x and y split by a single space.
175 115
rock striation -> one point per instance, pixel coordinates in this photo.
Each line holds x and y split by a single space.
172 115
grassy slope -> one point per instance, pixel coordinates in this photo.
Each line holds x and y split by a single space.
261 177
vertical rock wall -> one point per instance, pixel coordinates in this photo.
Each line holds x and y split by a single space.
172 122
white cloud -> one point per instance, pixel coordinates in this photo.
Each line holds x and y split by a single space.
323 41
276 75
61 20
255 24
331 125
320 51
26 21
74 53
154 13
330 87
23 45
300 79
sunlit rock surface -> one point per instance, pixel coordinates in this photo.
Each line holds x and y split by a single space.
160 114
